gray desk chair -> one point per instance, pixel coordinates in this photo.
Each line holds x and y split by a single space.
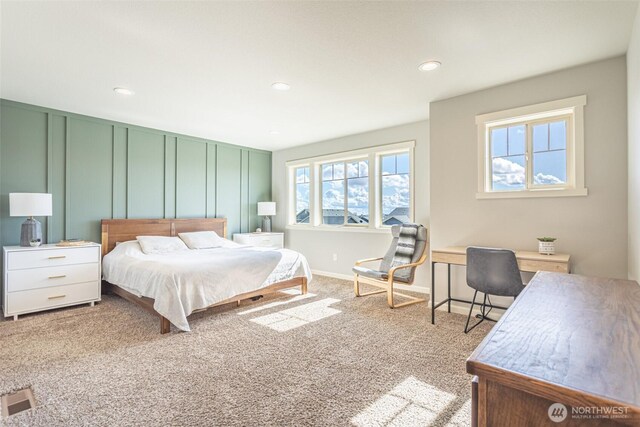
398 266
492 272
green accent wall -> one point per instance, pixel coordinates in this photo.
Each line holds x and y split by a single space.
99 169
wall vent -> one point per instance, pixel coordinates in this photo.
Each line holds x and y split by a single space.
19 401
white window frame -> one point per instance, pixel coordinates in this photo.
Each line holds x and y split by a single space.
571 109
373 156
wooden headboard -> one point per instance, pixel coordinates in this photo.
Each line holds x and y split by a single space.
122 230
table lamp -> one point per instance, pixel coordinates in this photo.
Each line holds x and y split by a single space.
30 205
265 210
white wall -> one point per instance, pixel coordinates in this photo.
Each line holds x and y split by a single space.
319 246
633 103
593 229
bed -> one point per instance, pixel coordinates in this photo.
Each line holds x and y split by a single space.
173 286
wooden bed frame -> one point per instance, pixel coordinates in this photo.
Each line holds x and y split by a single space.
122 230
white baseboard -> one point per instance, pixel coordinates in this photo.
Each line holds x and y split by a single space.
411 288
455 307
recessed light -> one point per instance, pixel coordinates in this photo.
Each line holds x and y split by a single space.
123 91
280 86
274 132
429 66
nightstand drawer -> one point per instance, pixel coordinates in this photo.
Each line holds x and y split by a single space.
36 278
40 299
51 257
265 241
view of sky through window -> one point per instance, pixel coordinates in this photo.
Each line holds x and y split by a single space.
395 188
303 180
333 193
358 188
508 155
352 177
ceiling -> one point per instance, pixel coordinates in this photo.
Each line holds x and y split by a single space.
205 68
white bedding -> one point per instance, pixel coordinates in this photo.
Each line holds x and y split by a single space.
184 281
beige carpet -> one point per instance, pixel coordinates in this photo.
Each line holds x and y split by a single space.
327 360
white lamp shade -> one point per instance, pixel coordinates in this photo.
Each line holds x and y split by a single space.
30 204
266 208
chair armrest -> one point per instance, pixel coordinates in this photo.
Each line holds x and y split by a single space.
392 271
362 261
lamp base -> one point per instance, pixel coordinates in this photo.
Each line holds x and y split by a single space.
31 230
266 224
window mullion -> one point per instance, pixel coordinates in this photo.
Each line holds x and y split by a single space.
295 200
528 155
378 179
313 182
345 186
569 164
488 161
373 190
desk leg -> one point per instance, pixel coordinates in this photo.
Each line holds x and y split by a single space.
449 288
433 293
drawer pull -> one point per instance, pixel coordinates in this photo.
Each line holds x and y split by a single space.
57 296
58 277
57 257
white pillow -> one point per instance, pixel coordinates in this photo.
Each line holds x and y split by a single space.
202 239
161 244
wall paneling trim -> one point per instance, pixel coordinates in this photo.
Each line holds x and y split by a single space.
99 169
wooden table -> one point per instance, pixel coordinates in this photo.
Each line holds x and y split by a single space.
567 339
457 255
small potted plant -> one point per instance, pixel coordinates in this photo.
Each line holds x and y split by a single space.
546 245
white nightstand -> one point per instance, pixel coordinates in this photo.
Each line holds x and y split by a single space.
49 276
265 240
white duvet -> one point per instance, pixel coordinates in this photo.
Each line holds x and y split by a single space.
183 281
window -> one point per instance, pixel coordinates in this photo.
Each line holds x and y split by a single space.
333 206
549 161
508 158
345 196
363 189
512 168
302 195
396 189
535 151
358 192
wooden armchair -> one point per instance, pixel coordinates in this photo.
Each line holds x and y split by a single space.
386 276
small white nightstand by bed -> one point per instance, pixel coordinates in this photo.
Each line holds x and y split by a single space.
49 276
265 240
